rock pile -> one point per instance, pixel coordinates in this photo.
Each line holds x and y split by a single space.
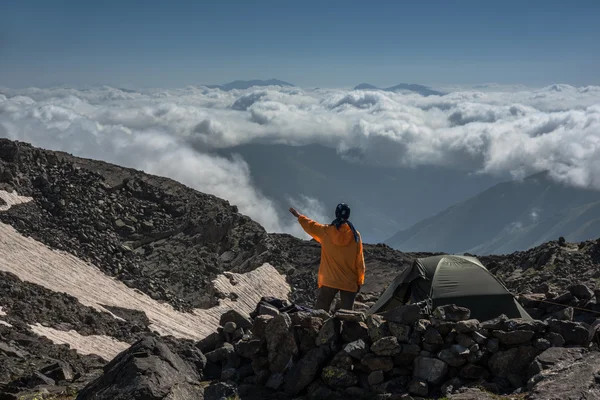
316 355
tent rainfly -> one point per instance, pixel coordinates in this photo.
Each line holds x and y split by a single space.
451 279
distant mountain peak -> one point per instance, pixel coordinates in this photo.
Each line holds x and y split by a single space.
413 87
242 85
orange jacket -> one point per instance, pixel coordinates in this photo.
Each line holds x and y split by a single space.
342 260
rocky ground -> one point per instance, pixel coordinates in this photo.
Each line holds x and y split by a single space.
170 242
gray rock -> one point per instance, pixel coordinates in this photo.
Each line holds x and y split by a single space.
512 361
377 327
210 342
451 358
404 314
542 344
329 332
386 346
218 391
260 325
555 339
374 363
513 337
495 324
11 351
375 378
431 370
350 315
493 345
338 377
221 354
467 326
432 336
240 320
452 312
574 333
281 344
401 331
248 348
418 387
342 360
465 340
59 371
148 369
229 327
356 349
479 338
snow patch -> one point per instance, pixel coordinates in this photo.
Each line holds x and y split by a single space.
12 199
2 313
103 346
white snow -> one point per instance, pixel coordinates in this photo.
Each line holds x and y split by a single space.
103 346
59 271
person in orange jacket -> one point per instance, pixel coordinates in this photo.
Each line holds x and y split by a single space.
342 267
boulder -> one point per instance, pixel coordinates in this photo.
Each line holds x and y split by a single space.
408 355
574 333
431 370
357 349
467 326
374 363
581 291
432 336
260 325
59 371
452 312
281 343
401 331
404 314
248 348
386 346
451 358
512 361
350 315
375 378
240 320
377 327
148 369
513 337
338 377
329 332
305 371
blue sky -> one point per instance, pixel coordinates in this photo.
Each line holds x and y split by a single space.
309 43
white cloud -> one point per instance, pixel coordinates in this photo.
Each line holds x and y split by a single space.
173 131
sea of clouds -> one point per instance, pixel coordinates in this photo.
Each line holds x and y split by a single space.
174 132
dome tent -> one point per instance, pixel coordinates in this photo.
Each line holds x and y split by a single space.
451 279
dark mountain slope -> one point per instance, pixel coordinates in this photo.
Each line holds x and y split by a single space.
507 217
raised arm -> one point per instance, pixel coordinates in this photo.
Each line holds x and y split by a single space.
313 228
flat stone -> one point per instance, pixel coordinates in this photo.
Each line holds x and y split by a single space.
432 370
386 346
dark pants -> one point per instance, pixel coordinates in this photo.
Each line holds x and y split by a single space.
325 296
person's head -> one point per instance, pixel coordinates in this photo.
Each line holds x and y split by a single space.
342 212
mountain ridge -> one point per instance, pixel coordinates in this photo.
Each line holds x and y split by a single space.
247 84
507 217
413 87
